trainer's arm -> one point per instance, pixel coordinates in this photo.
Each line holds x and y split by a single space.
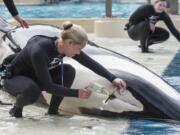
88 62
171 26
11 7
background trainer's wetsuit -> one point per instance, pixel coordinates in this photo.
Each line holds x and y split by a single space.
11 7
139 26
31 74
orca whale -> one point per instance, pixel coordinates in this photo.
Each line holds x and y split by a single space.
147 95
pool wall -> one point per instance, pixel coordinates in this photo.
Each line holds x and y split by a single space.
101 27
26 2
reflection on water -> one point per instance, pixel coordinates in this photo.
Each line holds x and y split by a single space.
174 81
152 127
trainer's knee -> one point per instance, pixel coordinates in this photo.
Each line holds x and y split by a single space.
144 26
69 75
32 93
144 29
166 35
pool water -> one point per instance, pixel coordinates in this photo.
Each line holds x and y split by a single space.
174 67
152 127
71 10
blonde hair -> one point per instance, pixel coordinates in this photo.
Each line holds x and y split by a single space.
160 1
168 4
74 32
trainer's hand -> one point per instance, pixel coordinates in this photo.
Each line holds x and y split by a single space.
152 27
21 21
119 84
84 93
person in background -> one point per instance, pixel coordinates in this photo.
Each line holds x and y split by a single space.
12 9
142 25
31 71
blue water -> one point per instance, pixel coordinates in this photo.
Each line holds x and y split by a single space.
174 67
71 10
152 127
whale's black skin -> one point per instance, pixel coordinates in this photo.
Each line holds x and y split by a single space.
150 96
156 103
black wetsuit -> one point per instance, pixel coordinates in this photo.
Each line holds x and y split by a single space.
139 26
30 73
11 7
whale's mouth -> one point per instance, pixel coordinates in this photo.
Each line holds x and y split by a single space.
126 115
